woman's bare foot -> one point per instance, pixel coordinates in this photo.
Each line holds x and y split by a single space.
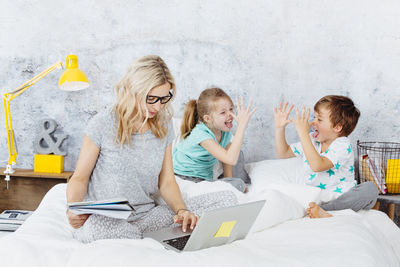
315 211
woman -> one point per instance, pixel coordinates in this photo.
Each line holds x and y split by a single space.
126 153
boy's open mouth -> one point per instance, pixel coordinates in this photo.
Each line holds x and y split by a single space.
228 124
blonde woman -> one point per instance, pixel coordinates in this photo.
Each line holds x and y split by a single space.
126 153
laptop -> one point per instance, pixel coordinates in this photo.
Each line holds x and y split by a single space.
214 228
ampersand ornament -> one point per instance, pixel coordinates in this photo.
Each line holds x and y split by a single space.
47 142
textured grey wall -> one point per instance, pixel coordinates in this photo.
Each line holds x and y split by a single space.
296 50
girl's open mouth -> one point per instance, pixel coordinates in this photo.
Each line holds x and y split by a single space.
229 124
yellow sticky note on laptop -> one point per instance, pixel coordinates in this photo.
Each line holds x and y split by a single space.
225 229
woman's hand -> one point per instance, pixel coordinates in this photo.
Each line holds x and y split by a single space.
281 116
243 114
76 221
185 218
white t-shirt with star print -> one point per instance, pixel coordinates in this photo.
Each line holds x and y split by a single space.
340 178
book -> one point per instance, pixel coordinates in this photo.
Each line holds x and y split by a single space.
20 215
11 220
9 227
366 174
114 208
377 174
393 175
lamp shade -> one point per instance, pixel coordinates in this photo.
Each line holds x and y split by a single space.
73 79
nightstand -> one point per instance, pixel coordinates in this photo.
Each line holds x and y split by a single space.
27 188
391 200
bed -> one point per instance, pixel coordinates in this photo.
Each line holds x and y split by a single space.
281 235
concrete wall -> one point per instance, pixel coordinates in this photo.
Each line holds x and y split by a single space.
296 50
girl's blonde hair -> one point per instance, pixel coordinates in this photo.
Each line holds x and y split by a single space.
196 110
143 75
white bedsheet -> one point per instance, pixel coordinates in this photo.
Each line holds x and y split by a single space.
347 239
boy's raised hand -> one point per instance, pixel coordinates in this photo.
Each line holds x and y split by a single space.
302 122
243 114
281 116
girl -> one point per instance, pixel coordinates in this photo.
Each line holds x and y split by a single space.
206 137
126 153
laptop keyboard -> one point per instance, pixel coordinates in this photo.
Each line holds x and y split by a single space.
178 243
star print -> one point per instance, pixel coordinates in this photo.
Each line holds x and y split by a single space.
296 151
330 172
326 151
306 161
351 168
338 190
337 166
322 186
312 176
342 179
349 149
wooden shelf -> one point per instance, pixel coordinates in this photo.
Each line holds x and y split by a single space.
27 188
32 174
392 201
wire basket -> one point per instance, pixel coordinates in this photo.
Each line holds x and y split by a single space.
379 162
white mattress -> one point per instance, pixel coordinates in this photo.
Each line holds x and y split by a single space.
347 239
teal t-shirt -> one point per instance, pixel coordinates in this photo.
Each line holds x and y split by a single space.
191 159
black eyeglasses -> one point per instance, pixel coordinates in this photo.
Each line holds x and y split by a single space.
152 99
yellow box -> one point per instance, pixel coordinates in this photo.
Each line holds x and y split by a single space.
393 176
49 163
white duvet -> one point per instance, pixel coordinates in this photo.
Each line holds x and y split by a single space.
281 235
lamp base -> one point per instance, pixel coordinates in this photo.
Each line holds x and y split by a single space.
49 163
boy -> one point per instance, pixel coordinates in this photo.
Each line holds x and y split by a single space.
327 152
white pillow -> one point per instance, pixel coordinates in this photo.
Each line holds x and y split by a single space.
278 208
302 194
276 171
285 176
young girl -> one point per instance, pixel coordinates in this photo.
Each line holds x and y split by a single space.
126 153
207 138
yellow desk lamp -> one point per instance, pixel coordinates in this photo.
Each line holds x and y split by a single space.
73 79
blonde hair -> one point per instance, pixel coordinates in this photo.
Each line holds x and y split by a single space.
196 110
140 78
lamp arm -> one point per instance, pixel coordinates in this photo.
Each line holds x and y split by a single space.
12 151
7 97
22 88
